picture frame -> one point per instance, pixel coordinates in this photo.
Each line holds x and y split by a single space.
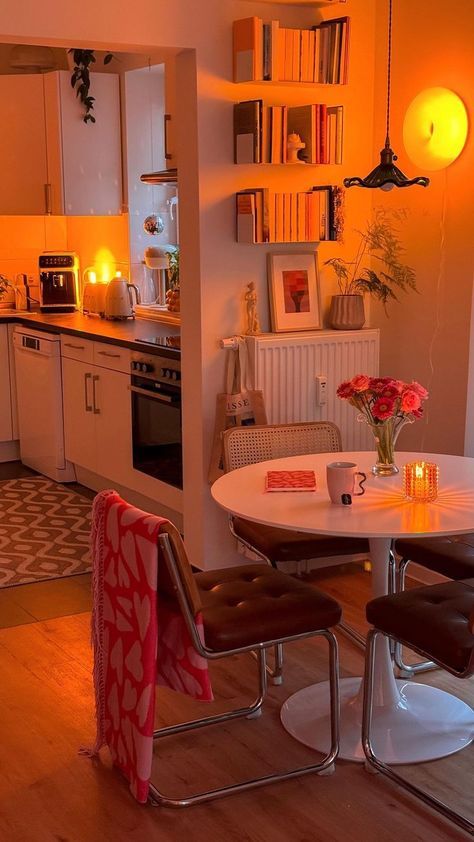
293 288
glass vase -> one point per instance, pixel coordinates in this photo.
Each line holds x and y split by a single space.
385 435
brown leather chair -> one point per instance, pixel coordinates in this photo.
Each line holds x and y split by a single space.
437 622
451 556
246 608
259 443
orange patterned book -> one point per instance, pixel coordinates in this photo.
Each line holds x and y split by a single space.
290 481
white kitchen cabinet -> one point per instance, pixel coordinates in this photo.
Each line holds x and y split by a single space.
53 162
79 419
6 426
97 409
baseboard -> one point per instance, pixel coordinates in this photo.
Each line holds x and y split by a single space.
9 451
422 576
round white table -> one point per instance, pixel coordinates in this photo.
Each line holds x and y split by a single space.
412 722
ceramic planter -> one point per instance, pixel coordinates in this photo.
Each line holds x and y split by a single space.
347 312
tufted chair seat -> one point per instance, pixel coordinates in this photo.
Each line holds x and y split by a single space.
243 606
451 555
433 619
284 545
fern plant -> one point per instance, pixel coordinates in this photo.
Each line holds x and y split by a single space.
81 81
380 241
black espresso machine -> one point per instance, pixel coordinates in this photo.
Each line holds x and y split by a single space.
59 281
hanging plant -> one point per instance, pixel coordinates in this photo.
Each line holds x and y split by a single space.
80 79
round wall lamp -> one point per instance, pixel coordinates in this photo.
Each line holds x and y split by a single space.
435 128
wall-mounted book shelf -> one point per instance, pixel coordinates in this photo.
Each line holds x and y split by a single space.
261 133
270 52
265 216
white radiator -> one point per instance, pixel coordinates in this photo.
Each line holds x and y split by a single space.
285 368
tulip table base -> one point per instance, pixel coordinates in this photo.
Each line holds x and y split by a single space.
425 723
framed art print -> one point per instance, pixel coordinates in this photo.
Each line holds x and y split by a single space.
293 283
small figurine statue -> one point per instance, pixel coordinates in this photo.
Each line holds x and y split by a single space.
253 324
294 144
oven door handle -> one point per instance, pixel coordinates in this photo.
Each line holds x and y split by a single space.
158 396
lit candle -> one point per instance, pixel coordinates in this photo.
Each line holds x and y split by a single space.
420 481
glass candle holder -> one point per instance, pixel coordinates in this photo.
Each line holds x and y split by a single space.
420 481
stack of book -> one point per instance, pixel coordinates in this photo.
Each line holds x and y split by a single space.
261 132
267 217
268 51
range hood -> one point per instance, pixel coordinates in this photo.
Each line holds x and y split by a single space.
161 177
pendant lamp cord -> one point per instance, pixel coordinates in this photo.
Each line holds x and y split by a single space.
389 70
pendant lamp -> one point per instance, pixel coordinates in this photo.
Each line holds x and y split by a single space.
386 175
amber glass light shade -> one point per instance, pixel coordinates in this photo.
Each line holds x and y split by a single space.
420 481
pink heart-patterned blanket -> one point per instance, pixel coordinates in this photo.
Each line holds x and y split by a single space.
136 642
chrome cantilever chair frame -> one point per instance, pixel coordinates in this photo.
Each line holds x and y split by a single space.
326 766
374 762
407 670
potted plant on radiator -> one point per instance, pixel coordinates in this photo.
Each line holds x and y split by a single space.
380 245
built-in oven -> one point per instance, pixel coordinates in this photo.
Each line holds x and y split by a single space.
156 412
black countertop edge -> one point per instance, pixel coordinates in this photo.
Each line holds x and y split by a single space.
52 327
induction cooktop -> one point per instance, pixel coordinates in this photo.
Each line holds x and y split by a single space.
173 342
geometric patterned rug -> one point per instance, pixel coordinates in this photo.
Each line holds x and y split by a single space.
44 531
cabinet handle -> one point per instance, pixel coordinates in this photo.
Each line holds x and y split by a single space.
47 198
95 378
77 347
166 120
108 354
86 396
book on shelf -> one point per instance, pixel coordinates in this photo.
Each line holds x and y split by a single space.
248 49
245 215
335 125
267 217
248 132
290 481
276 145
331 59
270 52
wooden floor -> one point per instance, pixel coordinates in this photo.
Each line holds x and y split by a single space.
48 793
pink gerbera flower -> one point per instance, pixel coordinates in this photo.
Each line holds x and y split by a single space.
378 384
383 408
345 390
390 391
419 389
410 401
360 383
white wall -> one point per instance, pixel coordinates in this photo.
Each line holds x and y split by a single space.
215 269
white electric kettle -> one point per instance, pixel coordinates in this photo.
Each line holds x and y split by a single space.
119 299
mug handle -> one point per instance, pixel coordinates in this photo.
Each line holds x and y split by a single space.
361 483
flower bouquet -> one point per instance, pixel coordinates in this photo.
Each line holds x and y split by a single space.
385 405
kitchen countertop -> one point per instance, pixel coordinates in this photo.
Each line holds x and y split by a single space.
124 332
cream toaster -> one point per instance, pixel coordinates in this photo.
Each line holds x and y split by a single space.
93 299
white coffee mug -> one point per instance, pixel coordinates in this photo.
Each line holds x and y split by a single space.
341 480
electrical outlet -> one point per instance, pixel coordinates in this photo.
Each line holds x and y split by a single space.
321 389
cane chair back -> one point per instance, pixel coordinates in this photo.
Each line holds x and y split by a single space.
259 443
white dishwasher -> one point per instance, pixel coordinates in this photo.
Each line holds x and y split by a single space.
40 403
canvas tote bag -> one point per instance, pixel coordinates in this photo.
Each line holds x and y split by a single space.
238 405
